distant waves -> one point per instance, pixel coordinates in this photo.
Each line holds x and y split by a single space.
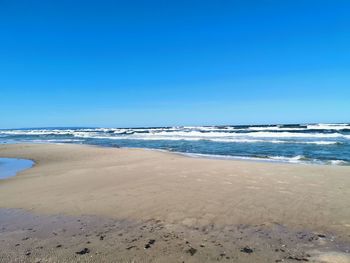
295 143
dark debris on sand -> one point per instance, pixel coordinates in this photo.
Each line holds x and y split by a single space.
83 251
150 243
191 251
247 250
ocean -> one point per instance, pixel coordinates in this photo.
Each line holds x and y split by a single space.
293 143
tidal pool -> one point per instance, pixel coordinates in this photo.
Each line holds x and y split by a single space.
11 166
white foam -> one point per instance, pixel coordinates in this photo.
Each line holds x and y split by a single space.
275 128
294 135
320 126
320 142
223 134
296 159
227 140
328 126
337 162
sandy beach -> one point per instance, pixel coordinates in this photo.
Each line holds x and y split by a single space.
134 205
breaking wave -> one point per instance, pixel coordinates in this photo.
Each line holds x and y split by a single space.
325 143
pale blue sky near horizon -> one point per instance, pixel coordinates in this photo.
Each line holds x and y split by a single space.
163 63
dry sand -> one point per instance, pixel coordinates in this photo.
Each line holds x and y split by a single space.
195 210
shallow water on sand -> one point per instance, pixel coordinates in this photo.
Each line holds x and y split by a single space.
11 166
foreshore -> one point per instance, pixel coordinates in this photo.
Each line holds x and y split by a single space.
256 212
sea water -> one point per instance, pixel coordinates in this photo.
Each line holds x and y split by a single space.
295 143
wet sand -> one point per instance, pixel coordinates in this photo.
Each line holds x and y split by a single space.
125 205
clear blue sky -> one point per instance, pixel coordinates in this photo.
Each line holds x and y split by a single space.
155 63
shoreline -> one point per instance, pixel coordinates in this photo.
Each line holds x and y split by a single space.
208 156
183 195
